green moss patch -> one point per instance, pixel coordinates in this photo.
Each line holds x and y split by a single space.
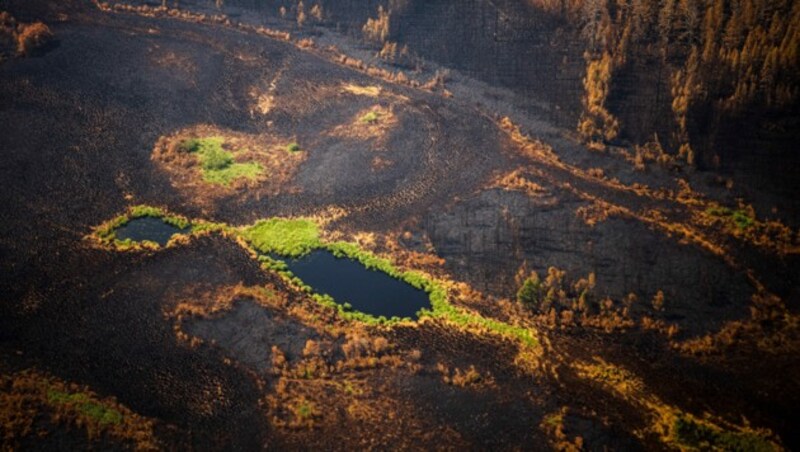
290 238
218 165
86 406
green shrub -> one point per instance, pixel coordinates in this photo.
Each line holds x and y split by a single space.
742 219
530 294
293 147
216 159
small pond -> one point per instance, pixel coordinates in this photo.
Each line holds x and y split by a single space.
369 291
148 228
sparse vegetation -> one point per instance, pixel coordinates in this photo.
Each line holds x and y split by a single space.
690 433
32 403
377 29
597 123
676 427
32 37
462 378
741 218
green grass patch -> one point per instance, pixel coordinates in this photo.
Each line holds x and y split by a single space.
290 238
371 117
140 211
232 172
697 435
217 165
86 406
293 147
442 308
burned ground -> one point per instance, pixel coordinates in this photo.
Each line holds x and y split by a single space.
79 126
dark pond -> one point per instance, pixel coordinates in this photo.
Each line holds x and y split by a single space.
148 228
369 291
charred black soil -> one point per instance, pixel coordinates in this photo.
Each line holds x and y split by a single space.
653 308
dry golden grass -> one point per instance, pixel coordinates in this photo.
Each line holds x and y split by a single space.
206 303
379 163
771 328
359 90
373 123
516 181
553 426
263 100
464 378
31 37
661 416
323 378
700 227
597 212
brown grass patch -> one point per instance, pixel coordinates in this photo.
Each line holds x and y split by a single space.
173 61
516 181
379 163
373 123
358 90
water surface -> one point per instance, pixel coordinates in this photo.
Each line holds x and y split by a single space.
148 228
369 291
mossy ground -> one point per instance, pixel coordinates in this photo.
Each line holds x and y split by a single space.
218 166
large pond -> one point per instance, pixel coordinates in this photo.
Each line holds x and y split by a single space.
148 228
369 291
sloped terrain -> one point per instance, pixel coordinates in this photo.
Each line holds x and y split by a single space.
670 325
